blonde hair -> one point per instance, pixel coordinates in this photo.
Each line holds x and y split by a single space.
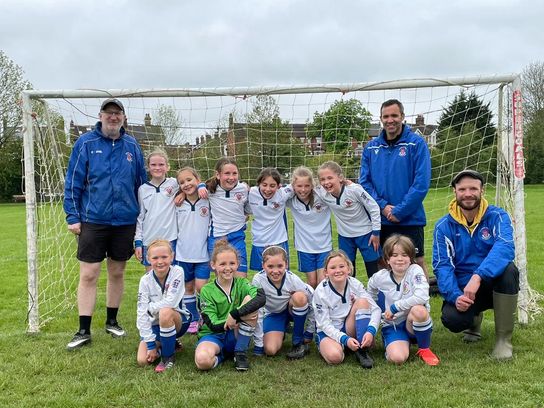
159 243
302 172
220 246
332 166
157 152
190 170
405 244
273 251
338 254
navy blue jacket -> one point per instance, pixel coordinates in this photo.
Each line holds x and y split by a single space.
102 179
399 175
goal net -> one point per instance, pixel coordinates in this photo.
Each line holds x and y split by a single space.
466 122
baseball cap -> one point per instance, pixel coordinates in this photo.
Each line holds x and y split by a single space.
112 101
467 173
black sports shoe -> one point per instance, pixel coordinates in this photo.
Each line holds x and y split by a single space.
80 339
364 358
240 361
297 351
115 330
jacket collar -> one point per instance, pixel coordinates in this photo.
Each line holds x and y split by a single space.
456 213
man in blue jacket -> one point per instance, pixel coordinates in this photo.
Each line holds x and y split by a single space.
106 168
396 172
473 254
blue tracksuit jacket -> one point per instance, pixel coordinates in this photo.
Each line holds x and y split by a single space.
102 179
398 175
457 253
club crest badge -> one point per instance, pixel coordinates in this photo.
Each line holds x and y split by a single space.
402 151
318 207
204 211
485 233
275 205
348 202
129 157
239 197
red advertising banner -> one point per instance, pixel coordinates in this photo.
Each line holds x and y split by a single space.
519 163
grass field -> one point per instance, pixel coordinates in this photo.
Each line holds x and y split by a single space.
36 371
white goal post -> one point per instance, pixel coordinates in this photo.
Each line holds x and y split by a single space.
203 124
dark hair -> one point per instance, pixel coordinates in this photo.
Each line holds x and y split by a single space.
391 102
213 182
404 242
269 172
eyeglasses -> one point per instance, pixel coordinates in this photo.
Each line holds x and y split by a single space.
113 113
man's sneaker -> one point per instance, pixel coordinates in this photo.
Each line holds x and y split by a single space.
363 357
193 327
428 356
297 352
79 340
115 330
241 361
165 364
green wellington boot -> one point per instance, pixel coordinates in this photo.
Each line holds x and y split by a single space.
505 311
474 332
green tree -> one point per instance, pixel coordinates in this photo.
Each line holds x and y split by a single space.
461 151
467 111
532 79
534 149
343 121
11 143
266 141
170 122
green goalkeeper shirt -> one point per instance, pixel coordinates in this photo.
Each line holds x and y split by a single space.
216 304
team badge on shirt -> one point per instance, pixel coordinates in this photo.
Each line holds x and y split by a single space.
204 211
275 205
239 196
405 288
348 202
485 234
169 191
318 207
129 156
402 151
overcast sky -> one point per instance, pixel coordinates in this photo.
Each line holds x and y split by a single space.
63 44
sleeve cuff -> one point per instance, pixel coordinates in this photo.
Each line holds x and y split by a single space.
235 315
371 330
138 243
376 233
393 309
150 345
201 185
344 339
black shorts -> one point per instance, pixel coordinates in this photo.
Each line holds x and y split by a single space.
98 241
415 233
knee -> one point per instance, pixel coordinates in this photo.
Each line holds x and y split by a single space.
397 356
333 356
142 361
508 281
419 313
299 299
271 349
204 361
456 322
361 304
166 316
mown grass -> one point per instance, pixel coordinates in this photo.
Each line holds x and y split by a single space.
36 371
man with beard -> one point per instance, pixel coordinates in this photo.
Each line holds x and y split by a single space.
106 168
473 253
